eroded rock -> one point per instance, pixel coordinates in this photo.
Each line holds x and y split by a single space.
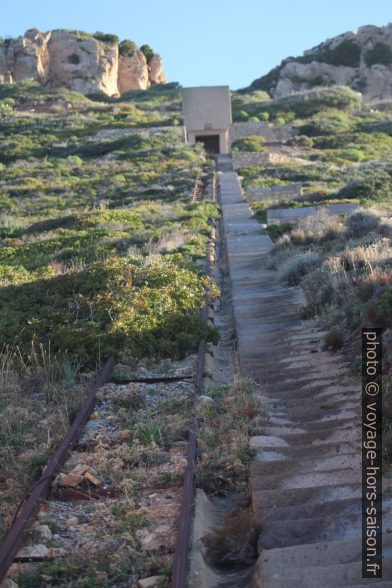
77 61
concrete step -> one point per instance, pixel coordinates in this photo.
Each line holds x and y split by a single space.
268 516
333 576
338 552
309 530
296 479
266 454
269 497
311 426
305 464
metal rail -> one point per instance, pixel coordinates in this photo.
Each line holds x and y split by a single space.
40 490
181 554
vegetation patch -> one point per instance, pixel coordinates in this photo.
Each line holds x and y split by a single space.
380 53
251 143
110 307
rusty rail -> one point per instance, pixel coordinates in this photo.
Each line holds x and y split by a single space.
181 555
40 490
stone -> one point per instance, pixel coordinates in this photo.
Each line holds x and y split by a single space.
45 532
133 72
125 435
81 469
70 480
151 582
155 70
157 540
72 522
262 441
204 399
91 478
34 551
76 61
324 68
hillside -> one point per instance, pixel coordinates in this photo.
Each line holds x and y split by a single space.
103 239
361 60
79 61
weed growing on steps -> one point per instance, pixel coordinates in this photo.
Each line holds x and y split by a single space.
226 421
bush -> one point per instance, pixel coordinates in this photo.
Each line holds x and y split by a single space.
107 308
148 52
106 38
242 116
380 53
361 223
251 143
332 122
333 340
347 53
376 187
302 141
127 47
299 266
310 103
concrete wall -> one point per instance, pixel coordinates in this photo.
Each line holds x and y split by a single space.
275 193
277 216
251 158
206 108
207 111
271 133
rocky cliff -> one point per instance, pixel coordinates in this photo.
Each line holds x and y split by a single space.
78 61
361 60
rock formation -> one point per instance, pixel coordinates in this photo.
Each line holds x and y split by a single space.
77 61
361 60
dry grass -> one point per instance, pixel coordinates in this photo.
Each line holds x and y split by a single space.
38 400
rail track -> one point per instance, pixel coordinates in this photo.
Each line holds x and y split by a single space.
43 489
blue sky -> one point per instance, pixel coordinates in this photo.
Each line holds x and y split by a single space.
207 42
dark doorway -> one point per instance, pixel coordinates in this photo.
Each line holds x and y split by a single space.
211 142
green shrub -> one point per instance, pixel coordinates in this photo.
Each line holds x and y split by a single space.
353 155
264 116
331 122
243 116
251 143
148 52
377 186
107 308
127 47
347 53
314 101
380 53
106 38
302 141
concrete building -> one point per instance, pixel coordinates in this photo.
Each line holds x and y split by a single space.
207 117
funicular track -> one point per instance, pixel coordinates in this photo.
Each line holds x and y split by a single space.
42 490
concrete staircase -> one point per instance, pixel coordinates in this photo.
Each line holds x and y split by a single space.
305 478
